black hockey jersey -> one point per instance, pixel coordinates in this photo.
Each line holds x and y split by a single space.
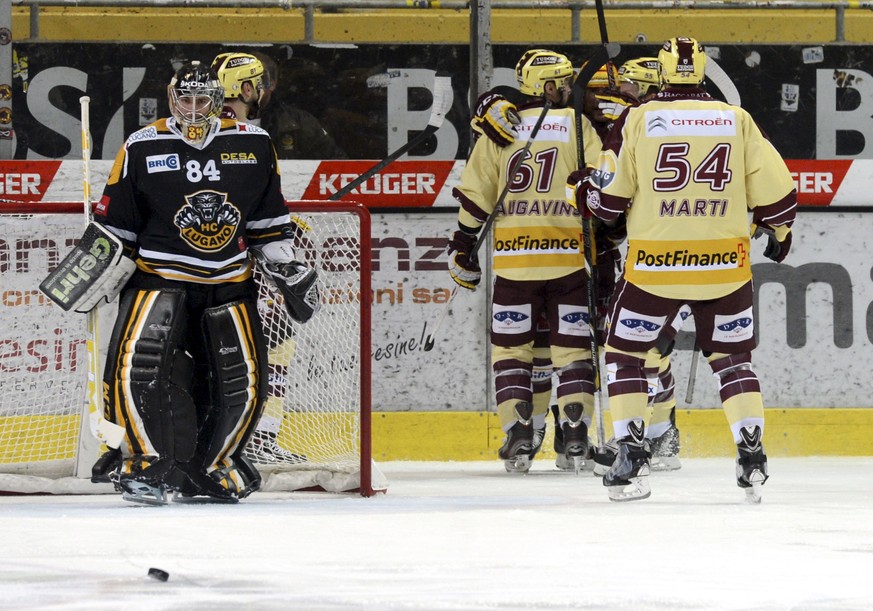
190 214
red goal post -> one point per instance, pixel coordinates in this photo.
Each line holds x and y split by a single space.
316 429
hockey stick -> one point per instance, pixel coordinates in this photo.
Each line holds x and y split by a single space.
695 357
486 226
610 50
442 101
720 79
107 432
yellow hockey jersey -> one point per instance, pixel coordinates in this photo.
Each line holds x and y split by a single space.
537 234
687 169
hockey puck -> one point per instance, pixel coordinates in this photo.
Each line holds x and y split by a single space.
159 574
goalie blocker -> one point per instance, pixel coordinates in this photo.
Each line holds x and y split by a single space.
95 269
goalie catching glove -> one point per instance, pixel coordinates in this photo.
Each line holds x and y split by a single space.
496 117
463 263
297 282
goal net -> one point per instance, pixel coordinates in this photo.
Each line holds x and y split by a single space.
315 431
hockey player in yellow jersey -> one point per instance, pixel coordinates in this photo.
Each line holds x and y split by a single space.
693 167
538 261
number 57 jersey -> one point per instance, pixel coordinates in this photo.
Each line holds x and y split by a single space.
188 213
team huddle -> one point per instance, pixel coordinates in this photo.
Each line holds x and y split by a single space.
656 164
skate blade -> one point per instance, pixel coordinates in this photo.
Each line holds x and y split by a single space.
636 489
178 497
517 464
753 492
666 463
582 465
144 494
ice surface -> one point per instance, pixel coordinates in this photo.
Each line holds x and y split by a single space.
462 535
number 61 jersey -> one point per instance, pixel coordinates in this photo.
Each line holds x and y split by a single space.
189 213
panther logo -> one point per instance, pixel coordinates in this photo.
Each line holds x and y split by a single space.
208 221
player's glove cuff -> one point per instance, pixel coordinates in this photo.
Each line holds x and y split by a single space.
577 191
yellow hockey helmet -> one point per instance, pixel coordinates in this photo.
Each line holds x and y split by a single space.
600 79
682 61
234 69
645 72
539 66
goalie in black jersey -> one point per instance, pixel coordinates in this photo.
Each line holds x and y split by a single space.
189 197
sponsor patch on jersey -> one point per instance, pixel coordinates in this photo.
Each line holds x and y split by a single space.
573 320
602 176
553 129
208 221
238 158
734 327
146 133
638 327
162 163
511 320
679 122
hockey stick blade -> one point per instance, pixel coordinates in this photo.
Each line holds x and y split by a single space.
442 102
718 77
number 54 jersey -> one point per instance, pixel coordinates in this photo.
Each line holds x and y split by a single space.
687 169
189 213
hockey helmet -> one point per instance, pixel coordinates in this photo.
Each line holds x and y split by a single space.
682 61
234 69
539 66
601 78
196 97
645 72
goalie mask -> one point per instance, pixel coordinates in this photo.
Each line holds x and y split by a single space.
236 69
539 66
196 97
682 61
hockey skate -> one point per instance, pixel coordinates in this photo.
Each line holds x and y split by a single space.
604 456
518 446
751 463
575 433
665 450
628 477
144 480
562 462
263 448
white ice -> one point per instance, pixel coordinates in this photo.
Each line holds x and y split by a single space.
461 536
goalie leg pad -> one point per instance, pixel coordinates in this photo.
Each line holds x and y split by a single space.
238 362
150 376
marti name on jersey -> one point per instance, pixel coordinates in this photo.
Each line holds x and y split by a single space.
697 207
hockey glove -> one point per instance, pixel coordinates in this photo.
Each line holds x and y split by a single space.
496 117
577 191
298 284
613 105
463 264
776 249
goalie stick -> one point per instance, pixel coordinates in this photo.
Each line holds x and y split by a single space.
442 101
601 56
107 432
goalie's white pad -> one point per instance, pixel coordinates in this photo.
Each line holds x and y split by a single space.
95 269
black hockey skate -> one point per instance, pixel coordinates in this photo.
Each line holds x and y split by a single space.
575 436
751 463
604 456
665 450
145 481
628 477
518 445
562 461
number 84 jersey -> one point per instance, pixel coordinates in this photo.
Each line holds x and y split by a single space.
189 213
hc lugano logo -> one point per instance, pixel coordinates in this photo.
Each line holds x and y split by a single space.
208 221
